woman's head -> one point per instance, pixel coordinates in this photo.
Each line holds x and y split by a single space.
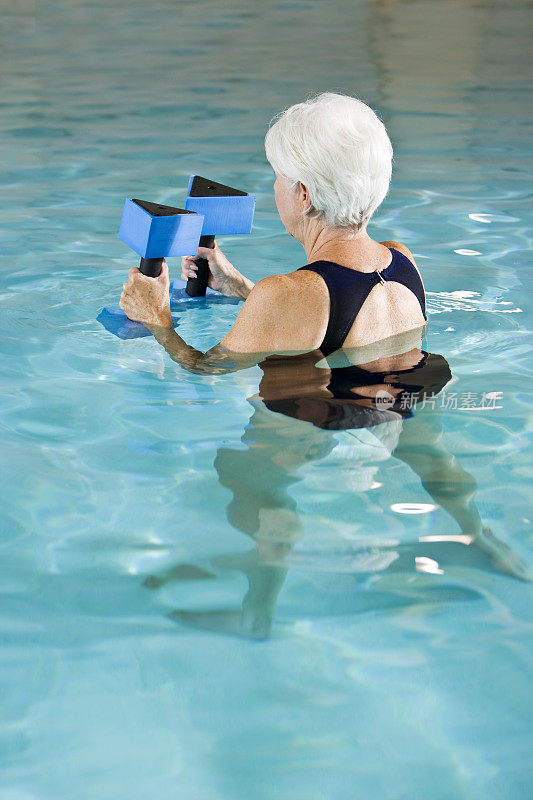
338 148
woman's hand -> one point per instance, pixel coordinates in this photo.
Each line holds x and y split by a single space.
147 299
223 277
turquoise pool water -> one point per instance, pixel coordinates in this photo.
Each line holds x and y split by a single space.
150 648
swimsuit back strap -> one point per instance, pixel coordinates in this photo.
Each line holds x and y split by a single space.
348 289
347 293
403 271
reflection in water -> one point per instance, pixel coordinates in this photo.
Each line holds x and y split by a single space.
383 395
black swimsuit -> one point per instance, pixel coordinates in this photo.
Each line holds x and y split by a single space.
347 407
348 290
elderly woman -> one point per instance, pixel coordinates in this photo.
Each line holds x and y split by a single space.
332 159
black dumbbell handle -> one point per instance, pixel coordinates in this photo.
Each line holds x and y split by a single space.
151 266
196 286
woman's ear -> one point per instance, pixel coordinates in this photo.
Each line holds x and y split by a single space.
303 196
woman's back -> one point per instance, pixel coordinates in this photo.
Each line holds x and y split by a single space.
367 306
307 309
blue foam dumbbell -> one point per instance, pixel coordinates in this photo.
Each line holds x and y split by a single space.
225 211
155 232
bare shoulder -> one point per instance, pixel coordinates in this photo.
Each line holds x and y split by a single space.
405 251
402 249
286 292
277 313
280 283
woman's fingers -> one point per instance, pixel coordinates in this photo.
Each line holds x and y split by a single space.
189 268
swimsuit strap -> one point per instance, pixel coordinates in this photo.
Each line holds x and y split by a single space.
348 289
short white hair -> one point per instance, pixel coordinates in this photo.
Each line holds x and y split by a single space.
339 148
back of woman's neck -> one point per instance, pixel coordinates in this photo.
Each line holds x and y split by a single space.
360 252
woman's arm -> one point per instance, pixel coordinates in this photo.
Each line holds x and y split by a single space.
223 277
216 361
270 321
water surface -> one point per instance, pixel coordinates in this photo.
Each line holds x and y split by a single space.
364 643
